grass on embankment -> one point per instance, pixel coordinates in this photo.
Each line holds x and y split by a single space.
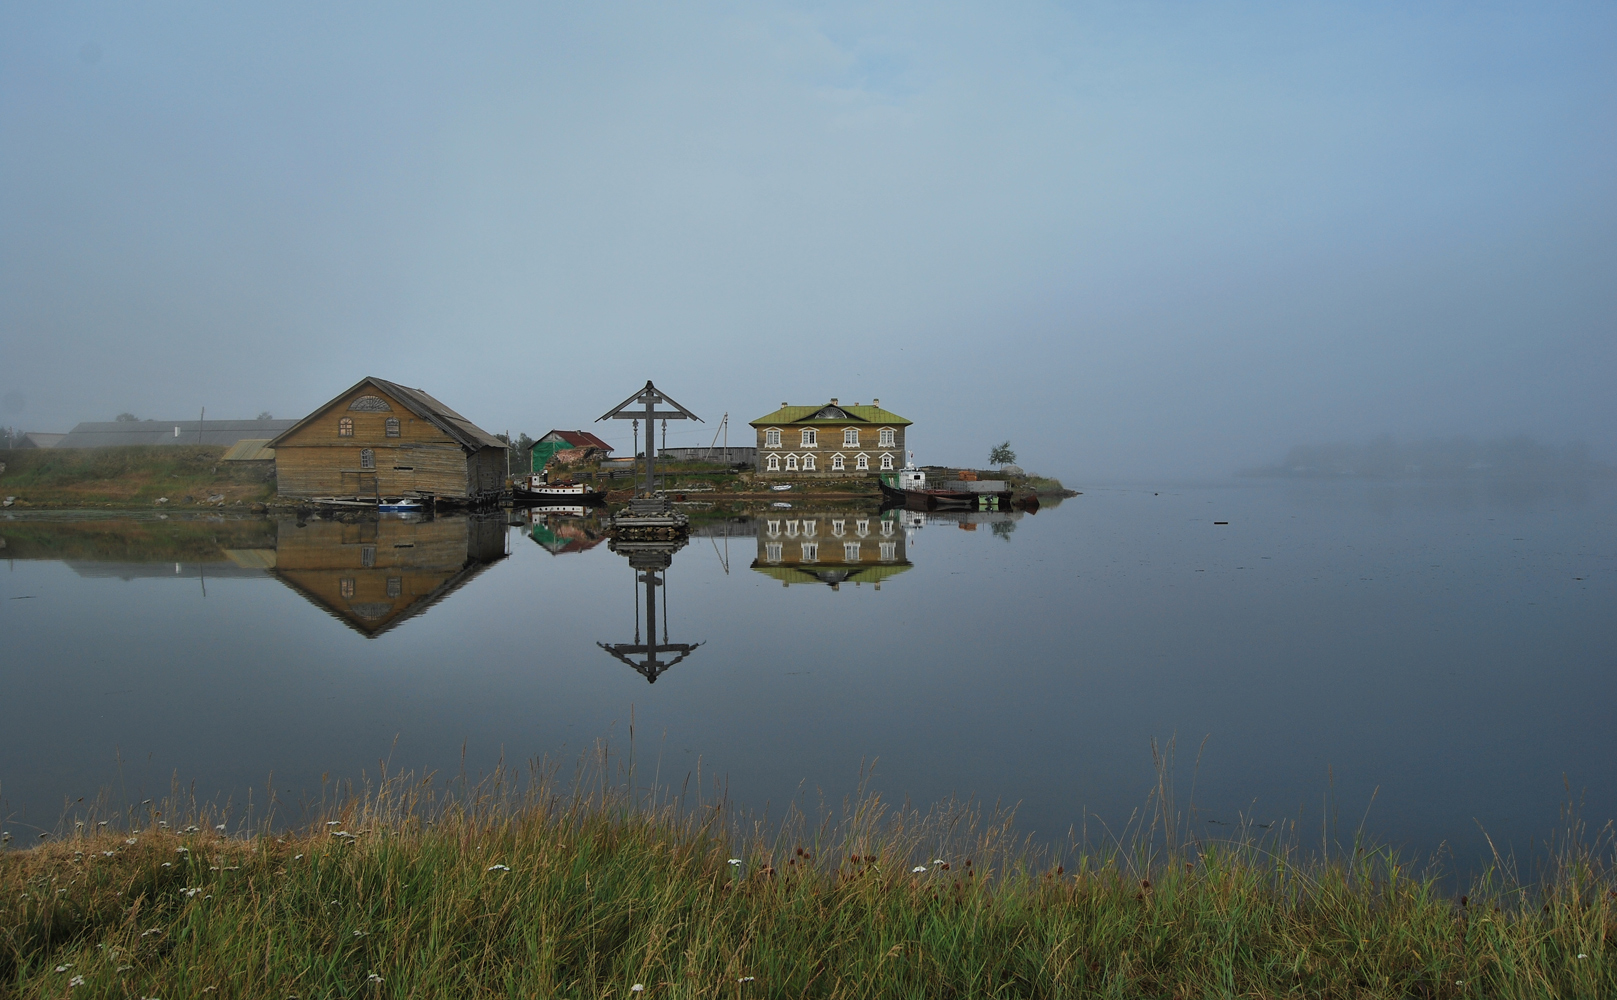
587 895
130 476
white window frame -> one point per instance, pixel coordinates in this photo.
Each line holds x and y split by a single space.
850 437
850 552
773 465
888 438
889 551
774 529
861 462
811 438
772 437
811 528
887 463
791 463
810 550
839 528
837 464
862 527
887 528
772 551
791 529
808 463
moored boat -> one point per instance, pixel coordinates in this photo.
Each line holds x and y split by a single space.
909 487
536 489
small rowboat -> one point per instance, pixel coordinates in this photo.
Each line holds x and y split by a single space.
399 505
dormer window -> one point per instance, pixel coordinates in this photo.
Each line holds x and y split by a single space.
861 462
836 462
772 437
887 461
850 437
811 438
791 463
774 463
808 463
887 438
345 427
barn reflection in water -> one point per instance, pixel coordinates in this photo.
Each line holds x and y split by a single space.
374 573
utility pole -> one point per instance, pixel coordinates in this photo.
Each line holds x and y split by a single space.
200 419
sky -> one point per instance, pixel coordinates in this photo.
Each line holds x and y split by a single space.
1138 240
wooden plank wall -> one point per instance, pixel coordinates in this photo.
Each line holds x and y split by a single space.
315 461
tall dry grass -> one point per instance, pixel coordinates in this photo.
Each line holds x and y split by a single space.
587 888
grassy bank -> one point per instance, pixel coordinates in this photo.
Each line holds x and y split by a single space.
588 894
195 537
136 476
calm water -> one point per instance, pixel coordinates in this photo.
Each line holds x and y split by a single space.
1452 646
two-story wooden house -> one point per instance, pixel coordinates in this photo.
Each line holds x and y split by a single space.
380 438
830 441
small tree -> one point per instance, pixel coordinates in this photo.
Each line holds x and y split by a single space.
127 418
1002 454
265 415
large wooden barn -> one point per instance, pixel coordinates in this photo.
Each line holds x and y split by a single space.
382 439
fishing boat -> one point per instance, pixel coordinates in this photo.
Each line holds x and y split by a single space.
399 505
909 487
536 489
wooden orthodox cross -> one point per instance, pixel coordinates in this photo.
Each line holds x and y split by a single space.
643 406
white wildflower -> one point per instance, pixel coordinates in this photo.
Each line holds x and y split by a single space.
193 828
937 861
123 968
297 857
75 982
744 979
735 861
498 868
108 854
190 893
168 864
182 850
373 978
336 822
131 841
1581 955
219 826
65 967
361 933
638 988
917 869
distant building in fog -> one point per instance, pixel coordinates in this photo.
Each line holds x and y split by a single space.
122 433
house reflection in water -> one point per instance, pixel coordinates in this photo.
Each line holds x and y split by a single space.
374 573
832 548
564 530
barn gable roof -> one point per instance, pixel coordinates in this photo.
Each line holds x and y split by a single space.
465 433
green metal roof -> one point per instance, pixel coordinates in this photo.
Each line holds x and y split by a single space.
865 574
806 415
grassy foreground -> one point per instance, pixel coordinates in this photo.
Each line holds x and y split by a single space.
588 894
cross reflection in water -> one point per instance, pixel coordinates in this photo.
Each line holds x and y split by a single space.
650 560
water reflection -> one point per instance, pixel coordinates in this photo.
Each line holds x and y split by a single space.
833 547
374 573
564 530
649 559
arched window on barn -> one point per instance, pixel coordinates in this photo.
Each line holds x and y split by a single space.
345 427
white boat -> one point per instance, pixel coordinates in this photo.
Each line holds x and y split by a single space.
535 489
399 505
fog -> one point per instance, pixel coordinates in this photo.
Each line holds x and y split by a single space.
1137 240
